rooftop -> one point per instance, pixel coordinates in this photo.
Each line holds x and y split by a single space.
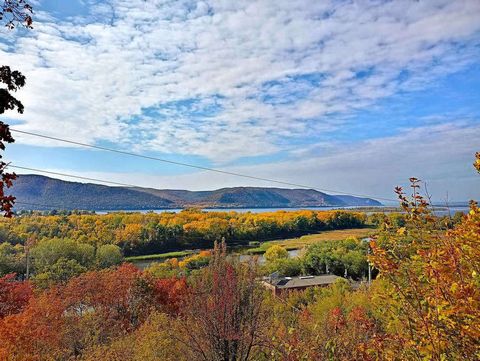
302 281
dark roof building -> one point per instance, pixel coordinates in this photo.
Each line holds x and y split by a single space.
281 284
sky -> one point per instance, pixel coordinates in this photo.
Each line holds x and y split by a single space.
354 96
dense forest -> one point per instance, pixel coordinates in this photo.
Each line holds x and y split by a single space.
137 233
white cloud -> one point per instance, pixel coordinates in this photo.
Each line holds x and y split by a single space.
441 155
85 80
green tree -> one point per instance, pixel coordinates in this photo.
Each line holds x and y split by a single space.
108 255
12 259
59 272
337 257
275 252
47 252
288 267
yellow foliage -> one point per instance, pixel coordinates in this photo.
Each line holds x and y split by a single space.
432 293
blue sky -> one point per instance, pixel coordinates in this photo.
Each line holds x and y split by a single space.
354 96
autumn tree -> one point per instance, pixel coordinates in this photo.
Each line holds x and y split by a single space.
432 292
275 253
13 81
169 294
91 310
196 261
151 342
16 12
221 319
138 234
477 162
14 295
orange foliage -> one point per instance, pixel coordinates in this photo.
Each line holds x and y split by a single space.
36 333
89 310
14 295
135 232
435 280
169 293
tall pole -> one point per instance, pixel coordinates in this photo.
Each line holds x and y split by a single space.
369 266
27 259
369 273
28 243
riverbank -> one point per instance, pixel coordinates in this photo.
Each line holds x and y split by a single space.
291 244
159 256
304 241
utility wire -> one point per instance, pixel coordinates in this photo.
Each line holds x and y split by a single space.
196 166
37 205
71 175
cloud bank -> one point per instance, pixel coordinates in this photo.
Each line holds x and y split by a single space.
233 80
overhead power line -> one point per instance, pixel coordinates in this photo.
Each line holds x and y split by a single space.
38 205
83 178
72 176
270 180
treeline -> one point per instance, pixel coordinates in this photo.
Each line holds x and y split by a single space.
55 260
138 234
347 258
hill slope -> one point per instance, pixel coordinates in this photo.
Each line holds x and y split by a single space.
39 190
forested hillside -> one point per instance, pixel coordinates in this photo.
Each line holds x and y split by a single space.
40 192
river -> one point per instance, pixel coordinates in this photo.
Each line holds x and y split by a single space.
243 258
438 210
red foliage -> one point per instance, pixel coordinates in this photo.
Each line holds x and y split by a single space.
60 322
34 332
14 295
336 320
103 288
358 317
169 293
115 295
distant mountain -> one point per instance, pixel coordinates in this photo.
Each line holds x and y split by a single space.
38 192
36 189
248 197
357 201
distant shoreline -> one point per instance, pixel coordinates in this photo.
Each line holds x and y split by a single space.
443 209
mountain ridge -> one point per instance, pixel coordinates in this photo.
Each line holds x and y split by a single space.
38 191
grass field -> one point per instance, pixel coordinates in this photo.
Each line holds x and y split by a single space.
301 242
289 244
159 256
